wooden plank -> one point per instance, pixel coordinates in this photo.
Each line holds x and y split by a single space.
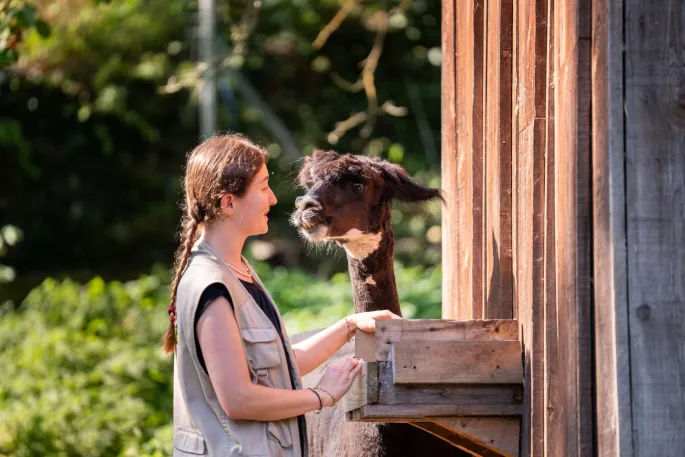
506 272
500 434
364 389
612 355
529 185
413 413
364 346
523 207
390 393
457 171
584 294
553 432
655 218
478 362
449 159
565 149
390 331
465 441
478 178
492 234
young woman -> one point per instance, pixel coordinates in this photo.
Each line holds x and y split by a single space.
237 386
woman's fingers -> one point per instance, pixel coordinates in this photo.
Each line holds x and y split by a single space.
350 365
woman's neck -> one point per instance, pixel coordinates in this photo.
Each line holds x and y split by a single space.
228 247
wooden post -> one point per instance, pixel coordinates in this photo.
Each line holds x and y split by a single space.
655 220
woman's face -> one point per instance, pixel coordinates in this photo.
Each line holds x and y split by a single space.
251 208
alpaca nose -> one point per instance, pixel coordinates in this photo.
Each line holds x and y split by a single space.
306 202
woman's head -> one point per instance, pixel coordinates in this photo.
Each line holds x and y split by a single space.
227 180
226 184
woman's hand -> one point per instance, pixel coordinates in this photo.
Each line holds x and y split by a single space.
337 380
366 322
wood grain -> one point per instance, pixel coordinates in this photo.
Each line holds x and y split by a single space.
448 167
612 354
390 331
457 362
655 218
500 434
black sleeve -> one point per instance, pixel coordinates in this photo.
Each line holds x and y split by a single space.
211 293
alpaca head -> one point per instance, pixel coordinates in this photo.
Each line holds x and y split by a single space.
349 196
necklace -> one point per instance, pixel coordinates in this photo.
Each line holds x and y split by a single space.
242 272
245 272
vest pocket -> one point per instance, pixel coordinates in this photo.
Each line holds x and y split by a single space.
279 431
262 350
188 442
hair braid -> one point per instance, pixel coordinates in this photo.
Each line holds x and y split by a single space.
188 235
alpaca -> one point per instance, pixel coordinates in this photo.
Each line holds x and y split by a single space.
348 203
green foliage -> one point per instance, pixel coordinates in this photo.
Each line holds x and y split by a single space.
17 18
83 374
96 121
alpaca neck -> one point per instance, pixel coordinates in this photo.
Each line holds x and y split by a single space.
370 262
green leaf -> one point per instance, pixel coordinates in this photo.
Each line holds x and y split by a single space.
27 16
43 28
7 57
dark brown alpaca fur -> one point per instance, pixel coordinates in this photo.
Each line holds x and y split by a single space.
346 192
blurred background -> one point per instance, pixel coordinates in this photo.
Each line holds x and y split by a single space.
100 101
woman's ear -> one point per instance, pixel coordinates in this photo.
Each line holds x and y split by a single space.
226 205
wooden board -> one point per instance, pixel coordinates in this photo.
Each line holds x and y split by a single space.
553 432
457 362
390 331
364 389
448 169
377 387
457 222
412 413
655 218
612 354
499 434
480 437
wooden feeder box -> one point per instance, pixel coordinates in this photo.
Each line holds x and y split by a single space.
459 380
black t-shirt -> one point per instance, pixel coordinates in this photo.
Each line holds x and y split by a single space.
216 290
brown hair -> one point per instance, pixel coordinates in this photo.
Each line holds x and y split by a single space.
222 164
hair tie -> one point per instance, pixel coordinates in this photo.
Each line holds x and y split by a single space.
199 212
172 313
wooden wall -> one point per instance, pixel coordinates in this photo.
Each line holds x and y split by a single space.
639 182
564 170
518 223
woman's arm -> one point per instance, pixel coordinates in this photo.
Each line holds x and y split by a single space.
222 348
316 349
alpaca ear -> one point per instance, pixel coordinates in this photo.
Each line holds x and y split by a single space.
400 186
312 164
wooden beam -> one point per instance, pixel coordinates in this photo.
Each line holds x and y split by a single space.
476 440
655 221
448 156
390 331
612 353
379 388
478 362
412 413
500 434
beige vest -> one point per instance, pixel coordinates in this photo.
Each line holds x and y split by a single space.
201 427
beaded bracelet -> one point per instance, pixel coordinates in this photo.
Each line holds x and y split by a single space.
319 397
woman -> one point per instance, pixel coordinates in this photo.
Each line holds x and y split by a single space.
237 386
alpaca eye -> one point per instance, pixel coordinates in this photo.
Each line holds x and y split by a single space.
357 187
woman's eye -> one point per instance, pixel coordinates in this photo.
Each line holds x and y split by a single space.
357 187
